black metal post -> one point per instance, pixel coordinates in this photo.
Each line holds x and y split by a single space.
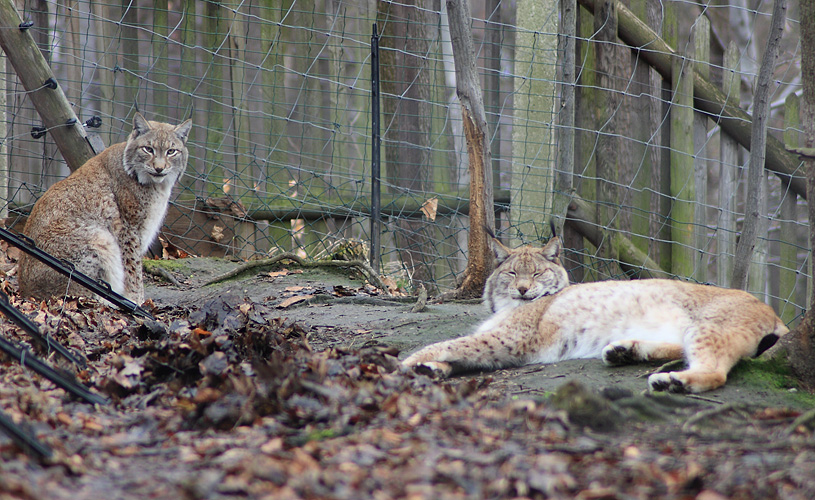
376 207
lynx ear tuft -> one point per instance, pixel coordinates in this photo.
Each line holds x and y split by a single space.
182 131
140 125
552 250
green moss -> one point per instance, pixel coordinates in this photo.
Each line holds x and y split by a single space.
771 374
170 265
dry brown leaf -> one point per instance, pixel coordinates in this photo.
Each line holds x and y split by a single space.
293 300
429 208
217 234
296 288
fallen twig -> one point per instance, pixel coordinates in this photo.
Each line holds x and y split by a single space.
803 419
24 439
705 414
160 272
359 264
421 301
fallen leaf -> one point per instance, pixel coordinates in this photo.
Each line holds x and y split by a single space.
293 300
429 208
217 234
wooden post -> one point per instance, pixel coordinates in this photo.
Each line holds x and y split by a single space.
159 64
606 123
277 177
532 166
701 45
683 186
728 182
564 168
45 93
788 258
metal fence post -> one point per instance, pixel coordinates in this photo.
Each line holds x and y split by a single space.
376 222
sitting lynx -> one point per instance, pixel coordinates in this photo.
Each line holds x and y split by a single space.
619 321
103 217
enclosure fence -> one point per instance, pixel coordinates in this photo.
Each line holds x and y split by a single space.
281 159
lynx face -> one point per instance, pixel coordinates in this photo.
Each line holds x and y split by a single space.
156 152
524 274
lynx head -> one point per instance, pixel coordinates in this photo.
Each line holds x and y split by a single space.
524 274
156 152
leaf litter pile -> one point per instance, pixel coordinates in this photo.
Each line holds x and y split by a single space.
228 400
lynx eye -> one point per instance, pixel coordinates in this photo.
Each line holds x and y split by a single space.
147 149
172 152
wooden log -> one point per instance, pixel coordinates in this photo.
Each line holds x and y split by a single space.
706 96
43 89
634 262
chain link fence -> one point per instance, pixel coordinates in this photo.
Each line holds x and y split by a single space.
280 155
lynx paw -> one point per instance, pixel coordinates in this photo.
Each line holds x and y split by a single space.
666 382
436 369
619 353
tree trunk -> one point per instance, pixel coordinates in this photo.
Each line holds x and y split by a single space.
799 345
758 141
468 89
405 82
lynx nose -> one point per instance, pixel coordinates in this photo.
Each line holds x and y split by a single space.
522 290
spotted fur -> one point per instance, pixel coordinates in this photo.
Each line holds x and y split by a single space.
103 217
621 322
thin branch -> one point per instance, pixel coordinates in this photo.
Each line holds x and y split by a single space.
254 264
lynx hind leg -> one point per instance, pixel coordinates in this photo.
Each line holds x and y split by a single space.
626 352
692 380
101 260
708 366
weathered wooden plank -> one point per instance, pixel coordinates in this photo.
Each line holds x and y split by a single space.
44 91
683 185
707 97
606 116
728 182
788 254
701 44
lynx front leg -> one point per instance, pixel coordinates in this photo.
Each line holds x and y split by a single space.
482 350
133 280
626 352
433 358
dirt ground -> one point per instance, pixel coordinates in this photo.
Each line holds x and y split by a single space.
285 383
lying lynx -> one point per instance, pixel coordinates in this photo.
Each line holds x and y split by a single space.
103 217
621 322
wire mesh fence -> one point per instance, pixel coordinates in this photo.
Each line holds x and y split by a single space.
280 155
